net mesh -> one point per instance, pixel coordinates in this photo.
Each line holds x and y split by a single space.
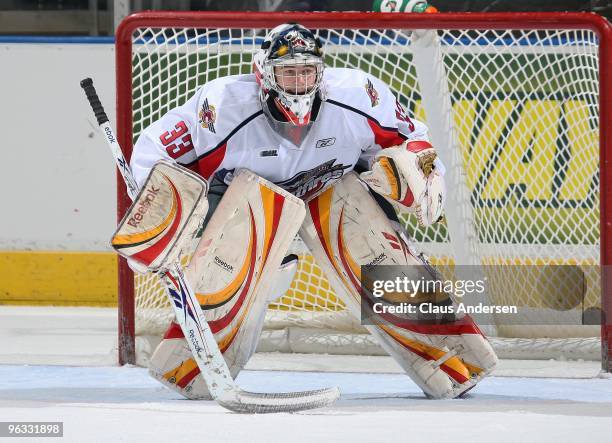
524 117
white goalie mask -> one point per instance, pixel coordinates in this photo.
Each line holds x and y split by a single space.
289 68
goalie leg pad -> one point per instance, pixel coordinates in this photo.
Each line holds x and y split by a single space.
345 229
235 266
172 363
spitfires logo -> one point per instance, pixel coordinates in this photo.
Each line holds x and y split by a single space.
372 93
207 116
307 183
296 40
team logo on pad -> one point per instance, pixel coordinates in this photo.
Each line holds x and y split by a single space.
207 116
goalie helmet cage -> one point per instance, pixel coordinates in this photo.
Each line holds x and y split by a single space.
480 81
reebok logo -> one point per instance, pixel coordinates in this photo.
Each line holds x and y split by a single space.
109 135
144 203
324 143
224 265
194 342
378 259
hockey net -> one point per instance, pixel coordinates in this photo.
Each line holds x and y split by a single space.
514 110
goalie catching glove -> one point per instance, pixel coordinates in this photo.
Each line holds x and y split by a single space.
411 175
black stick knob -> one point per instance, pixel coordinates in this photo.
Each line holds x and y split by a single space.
94 101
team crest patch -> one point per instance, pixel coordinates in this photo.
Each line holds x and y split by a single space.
307 183
208 116
372 93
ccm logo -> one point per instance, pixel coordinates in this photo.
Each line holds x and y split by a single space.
324 143
109 135
143 206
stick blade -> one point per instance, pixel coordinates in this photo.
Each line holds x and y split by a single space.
265 403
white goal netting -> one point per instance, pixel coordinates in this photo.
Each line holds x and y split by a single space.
514 115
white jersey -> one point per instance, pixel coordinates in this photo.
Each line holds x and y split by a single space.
223 128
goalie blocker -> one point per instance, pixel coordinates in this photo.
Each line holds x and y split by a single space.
346 229
164 218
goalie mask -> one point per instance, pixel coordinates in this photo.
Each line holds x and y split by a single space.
289 68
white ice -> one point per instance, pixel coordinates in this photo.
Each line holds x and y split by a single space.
56 364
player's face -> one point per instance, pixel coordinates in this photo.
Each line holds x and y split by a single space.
296 79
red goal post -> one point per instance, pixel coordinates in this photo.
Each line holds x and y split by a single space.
383 22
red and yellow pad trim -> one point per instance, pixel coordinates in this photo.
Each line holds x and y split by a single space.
184 373
130 240
273 207
392 178
320 208
454 366
352 269
173 220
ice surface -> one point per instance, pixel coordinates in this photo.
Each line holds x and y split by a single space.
74 381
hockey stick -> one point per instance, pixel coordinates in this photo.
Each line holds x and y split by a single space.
191 319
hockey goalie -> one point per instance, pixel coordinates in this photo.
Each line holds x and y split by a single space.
328 151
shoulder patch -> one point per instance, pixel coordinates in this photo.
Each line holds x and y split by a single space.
207 116
372 93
